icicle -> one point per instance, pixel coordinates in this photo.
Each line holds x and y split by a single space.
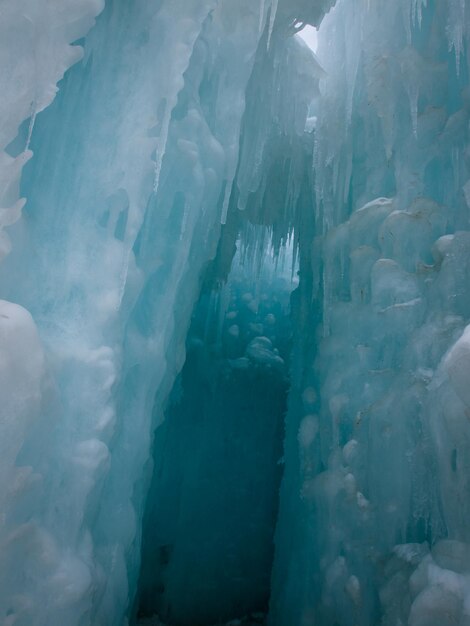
180 59
455 29
223 305
228 189
161 145
352 62
417 11
262 15
407 18
348 174
336 174
326 300
413 94
456 168
185 219
295 252
272 19
32 121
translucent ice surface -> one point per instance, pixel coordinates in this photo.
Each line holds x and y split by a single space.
234 312
133 174
373 527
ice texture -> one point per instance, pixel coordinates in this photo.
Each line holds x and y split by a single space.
132 175
35 52
373 525
148 147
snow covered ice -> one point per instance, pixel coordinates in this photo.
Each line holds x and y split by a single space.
234 312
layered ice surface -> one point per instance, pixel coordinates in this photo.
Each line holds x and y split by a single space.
373 526
35 52
173 133
132 176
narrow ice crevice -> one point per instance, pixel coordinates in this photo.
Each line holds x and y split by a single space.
212 508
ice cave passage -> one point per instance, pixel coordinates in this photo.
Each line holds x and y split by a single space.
208 542
234 312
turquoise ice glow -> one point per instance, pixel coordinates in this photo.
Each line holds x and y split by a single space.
235 312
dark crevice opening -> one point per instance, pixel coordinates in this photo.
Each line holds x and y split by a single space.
208 532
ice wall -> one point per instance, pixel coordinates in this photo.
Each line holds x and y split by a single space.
35 52
374 505
179 116
183 115
133 165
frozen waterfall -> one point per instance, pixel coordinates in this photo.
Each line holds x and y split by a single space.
234 312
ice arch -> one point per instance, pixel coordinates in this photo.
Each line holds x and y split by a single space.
183 128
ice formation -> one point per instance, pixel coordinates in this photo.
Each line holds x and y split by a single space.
375 501
161 366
